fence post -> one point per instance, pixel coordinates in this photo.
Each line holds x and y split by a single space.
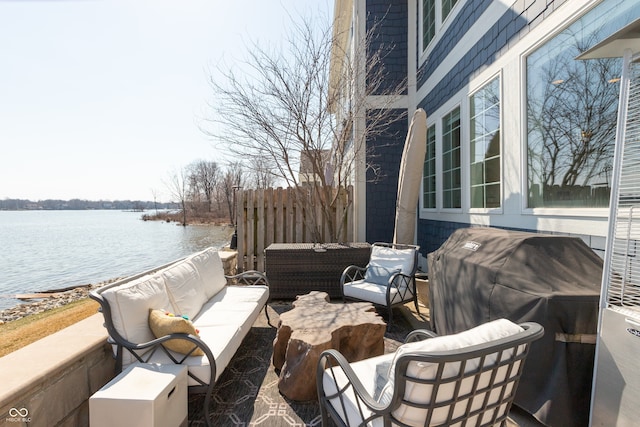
260 230
250 230
242 227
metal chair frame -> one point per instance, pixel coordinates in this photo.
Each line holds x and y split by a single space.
509 350
404 284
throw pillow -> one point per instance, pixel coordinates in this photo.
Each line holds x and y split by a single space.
385 261
164 323
379 275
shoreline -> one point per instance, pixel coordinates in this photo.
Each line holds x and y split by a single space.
57 299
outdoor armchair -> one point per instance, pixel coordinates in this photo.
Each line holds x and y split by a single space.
467 379
387 280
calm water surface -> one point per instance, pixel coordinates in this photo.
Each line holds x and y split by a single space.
42 250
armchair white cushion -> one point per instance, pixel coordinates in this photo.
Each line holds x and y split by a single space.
440 381
386 261
422 393
388 278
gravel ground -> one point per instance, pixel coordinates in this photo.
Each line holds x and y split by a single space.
56 300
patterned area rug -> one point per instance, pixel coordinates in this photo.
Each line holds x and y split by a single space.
247 392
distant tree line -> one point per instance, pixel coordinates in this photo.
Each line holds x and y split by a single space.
204 190
79 204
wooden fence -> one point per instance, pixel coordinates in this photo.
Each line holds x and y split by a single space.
288 215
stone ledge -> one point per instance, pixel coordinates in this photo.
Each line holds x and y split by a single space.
53 377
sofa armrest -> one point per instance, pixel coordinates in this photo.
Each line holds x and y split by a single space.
250 277
144 352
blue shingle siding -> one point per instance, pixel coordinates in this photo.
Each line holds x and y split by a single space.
458 28
432 234
511 26
385 151
390 39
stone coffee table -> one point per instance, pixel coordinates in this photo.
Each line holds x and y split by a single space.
315 325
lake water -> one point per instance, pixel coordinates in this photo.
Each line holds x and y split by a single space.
43 250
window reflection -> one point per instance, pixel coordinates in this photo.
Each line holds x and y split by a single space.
485 146
429 172
572 112
451 193
428 22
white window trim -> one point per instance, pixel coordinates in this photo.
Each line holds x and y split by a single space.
421 201
441 27
550 27
464 153
476 88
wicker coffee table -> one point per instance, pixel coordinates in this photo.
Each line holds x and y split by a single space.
314 325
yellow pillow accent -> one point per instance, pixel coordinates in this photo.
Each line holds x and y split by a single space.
163 323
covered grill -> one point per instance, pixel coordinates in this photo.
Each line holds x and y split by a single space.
481 274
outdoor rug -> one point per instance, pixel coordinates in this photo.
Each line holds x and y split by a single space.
247 391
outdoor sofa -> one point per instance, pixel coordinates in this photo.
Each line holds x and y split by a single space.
183 313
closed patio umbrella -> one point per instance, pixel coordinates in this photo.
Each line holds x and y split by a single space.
411 166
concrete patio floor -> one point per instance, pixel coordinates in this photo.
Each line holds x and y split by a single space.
517 417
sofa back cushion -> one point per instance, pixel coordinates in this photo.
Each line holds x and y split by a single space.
130 304
185 288
211 270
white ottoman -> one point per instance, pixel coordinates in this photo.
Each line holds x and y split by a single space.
142 395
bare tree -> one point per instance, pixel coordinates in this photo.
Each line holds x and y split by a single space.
232 180
204 180
261 172
292 103
178 186
154 192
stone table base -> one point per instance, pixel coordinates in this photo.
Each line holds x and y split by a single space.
315 325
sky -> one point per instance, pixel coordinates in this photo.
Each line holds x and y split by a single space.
105 99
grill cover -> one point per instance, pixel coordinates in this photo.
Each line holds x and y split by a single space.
481 274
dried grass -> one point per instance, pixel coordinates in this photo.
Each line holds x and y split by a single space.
22 332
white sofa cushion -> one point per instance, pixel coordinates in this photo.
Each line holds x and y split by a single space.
231 303
372 292
421 393
211 271
385 261
185 288
222 342
223 324
130 304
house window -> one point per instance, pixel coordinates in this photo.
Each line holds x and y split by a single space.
485 146
428 21
572 113
451 194
434 14
429 172
447 5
